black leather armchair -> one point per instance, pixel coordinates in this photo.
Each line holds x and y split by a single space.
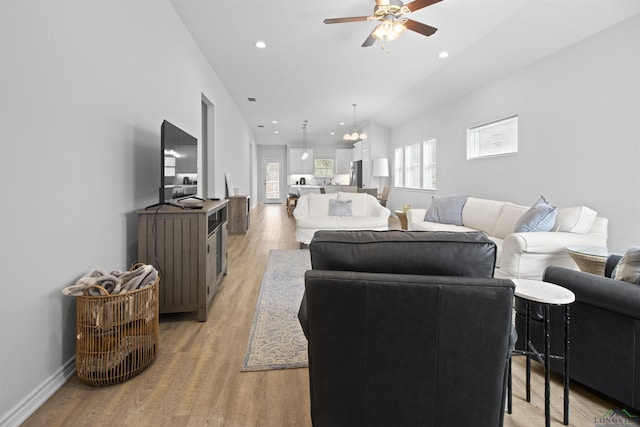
604 332
406 329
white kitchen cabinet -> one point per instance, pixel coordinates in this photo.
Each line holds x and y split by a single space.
297 165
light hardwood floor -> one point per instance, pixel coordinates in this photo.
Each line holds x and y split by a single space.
196 379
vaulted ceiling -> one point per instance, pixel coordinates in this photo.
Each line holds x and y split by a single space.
313 71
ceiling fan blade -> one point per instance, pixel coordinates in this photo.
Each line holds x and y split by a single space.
351 19
419 27
369 41
419 4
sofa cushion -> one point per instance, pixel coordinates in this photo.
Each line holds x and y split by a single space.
406 252
446 210
437 226
578 219
319 203
628 269
339 207
540 217
360 202
508 219
481 214
328 222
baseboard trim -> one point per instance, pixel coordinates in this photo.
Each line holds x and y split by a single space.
19 413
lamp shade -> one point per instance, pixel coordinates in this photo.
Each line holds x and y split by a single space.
380 168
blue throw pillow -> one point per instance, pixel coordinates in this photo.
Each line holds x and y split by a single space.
446 210
540 217
339 207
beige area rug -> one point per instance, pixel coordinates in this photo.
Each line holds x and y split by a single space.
276 340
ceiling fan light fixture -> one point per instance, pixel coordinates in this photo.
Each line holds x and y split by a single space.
398 28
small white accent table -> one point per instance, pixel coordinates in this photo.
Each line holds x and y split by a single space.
547 294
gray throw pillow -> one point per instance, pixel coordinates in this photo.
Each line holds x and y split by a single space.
540 217
628 269
339 207
446 209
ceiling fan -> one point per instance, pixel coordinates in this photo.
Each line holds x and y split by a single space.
392 22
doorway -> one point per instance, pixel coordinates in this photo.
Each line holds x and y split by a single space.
206 180
272 181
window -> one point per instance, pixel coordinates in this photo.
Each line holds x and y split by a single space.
412 166
323 168
429 164
415 165
398 163
496 138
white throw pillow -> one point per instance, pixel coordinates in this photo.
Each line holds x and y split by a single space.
578 219
481 214
508 219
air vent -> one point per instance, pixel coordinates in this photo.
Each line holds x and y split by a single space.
260 126
251 99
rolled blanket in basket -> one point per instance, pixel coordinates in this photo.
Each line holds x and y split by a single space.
141 277
116 282
96 277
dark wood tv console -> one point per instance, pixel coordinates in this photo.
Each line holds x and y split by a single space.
189 249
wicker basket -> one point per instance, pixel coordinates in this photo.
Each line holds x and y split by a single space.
116 335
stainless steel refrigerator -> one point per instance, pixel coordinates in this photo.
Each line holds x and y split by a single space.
356 174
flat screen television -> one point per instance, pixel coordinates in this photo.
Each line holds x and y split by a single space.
179 164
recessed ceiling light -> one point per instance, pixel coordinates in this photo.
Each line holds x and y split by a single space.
260 44
332 133
443 54
274 122
276 131
341 123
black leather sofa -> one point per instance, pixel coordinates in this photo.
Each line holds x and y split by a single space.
406 329
604 332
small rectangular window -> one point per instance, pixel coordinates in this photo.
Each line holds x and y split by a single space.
497 138
323 168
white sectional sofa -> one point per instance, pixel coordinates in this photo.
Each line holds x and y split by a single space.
312 214
523 254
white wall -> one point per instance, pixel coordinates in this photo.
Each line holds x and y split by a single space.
85 87
579 134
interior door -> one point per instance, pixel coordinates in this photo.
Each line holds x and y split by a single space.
272 181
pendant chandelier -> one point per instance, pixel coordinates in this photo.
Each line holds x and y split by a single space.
305 153
353 134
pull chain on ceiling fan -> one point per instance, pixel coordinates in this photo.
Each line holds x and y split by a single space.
390 13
